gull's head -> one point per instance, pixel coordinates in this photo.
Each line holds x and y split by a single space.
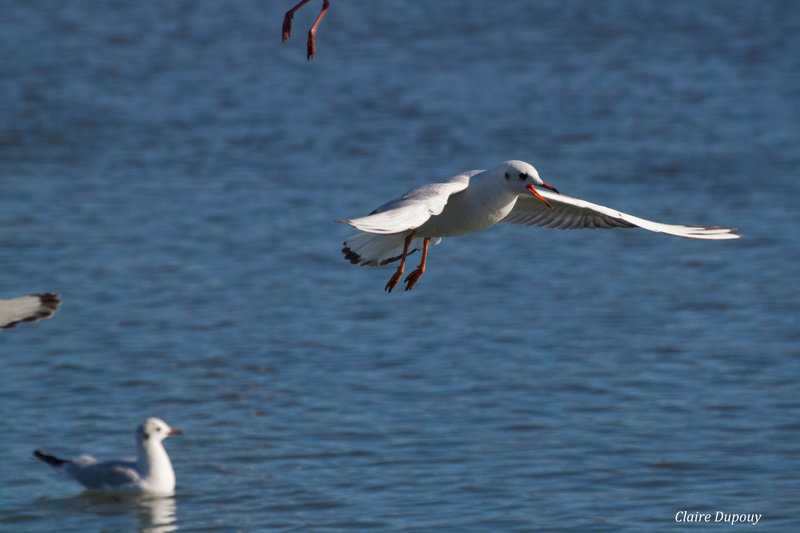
155 430
521 177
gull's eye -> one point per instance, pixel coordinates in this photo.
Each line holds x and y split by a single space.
522 175
158 428
507 176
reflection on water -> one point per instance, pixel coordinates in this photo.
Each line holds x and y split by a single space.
118 511
157 516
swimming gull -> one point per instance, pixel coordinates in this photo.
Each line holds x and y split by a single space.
149 474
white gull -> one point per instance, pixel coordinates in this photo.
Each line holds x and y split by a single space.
149 474
476 199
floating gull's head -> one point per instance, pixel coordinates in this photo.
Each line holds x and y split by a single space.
156 430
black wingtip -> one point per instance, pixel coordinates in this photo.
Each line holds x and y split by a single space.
351 256
48 304
49 459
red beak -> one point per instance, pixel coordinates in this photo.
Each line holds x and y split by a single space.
174 431
546 186
538 196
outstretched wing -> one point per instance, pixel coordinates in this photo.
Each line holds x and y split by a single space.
27 309
413 209
573 213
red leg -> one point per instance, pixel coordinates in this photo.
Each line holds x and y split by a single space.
287 20
412 278
287 25
313 31
395 279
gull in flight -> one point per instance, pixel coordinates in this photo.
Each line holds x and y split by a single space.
149 474
27 309
287 25
474 200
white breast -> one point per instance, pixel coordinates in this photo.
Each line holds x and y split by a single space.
470 210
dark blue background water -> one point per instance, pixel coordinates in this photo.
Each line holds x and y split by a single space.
173 171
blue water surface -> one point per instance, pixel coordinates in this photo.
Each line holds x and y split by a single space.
173 171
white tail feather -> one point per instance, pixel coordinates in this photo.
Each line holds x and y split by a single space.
374 249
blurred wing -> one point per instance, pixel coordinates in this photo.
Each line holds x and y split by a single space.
84 461
413 209
572 213
108 475
27 309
